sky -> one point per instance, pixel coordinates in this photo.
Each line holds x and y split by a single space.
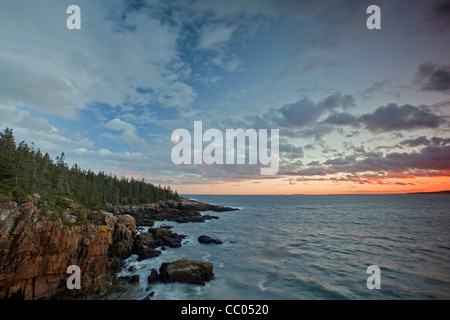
358 110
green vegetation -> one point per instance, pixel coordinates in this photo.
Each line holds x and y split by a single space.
24 170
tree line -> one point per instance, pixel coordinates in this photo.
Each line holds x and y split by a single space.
25 170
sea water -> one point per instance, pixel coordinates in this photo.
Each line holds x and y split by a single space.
311 247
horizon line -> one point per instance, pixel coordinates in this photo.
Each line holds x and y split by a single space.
317 194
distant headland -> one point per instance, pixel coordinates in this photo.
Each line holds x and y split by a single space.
432 192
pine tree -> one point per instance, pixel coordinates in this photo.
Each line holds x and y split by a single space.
7 159
24 170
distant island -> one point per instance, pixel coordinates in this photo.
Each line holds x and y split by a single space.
432 192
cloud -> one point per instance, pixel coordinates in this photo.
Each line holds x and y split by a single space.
437 141
337 100
215 35
433 159
60 71
129 132
441 12
420 141
407 117
433 77
305 112
306 118
300 113
105 154
16 117
290 151
375 87
30 128
342 119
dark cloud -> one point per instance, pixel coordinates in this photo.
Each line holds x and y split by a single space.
337 161
407 117
433 77
305 112
440 141
300 113
442 11
290 151
443 8
420 141
316 131
434 159
337 100
342 119
375 87
363 179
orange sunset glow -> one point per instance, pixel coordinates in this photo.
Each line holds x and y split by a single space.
283 187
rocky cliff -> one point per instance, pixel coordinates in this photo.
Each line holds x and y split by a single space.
36 247
37 244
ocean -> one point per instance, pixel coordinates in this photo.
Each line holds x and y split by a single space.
311 247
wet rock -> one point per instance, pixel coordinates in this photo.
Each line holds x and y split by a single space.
206 239
146 253
172 242
127 278
153 276
165 237
145 239
160 232
189 271
134 279
149 296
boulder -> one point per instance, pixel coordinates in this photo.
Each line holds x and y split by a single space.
147 253
172 242
165 237
207 239
189 271
160 232
109 207
69 218
149 296
144 246
153 276
145 239
134 279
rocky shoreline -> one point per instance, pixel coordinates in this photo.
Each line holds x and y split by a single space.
148 244
183 211
37 246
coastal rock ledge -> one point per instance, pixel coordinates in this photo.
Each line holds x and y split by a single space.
182 211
